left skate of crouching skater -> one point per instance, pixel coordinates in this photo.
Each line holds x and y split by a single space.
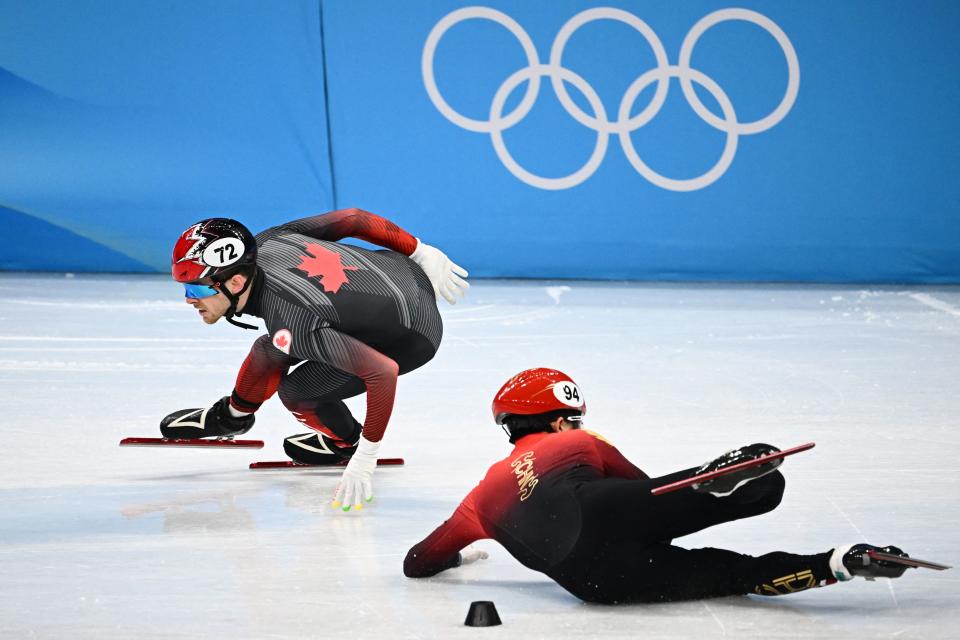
342 320
567 503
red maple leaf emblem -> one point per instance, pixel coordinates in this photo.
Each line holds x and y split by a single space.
281 341
325 264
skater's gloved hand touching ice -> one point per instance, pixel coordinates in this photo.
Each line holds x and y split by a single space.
356 484
470 554
444 274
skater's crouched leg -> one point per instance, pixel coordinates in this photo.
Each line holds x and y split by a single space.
313 393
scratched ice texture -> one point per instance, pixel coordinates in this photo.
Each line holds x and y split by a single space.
99 541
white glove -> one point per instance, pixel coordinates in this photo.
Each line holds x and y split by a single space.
472 554
356 483
444 274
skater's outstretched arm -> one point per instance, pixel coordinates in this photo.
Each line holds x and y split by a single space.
379 374
351 223
233 415
441 549
447 277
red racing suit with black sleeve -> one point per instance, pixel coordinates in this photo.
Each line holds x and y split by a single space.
526 502
569 505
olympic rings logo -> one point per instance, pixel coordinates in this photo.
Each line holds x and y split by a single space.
498 122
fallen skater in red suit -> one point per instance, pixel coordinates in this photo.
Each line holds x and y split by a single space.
567 503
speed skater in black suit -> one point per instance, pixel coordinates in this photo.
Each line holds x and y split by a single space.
341 320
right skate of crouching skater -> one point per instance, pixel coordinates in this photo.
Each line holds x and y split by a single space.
567 503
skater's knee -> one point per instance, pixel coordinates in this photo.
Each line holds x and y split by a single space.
285 393
760 495
771 486
294 397
777 485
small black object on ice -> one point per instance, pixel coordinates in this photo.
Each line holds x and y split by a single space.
482 613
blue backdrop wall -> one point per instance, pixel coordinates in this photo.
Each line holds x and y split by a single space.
123 122
812 141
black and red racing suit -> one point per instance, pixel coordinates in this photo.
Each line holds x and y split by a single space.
353 319
570 505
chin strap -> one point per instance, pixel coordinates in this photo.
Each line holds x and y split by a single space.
234 299
237 323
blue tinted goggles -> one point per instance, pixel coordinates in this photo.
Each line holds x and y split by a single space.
199 291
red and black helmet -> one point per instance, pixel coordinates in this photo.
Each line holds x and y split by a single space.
536 391
213 248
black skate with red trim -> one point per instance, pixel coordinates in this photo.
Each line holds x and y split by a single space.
215 427
318 449
315 450
738 464
882 556
290 464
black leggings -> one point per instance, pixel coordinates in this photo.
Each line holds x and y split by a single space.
318 388
624 551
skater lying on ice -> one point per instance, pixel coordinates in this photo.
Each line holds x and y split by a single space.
565 502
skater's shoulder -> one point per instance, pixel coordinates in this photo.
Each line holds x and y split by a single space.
587 433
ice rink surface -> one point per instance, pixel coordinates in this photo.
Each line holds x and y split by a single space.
99 541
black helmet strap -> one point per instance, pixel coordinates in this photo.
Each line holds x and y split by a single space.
234 299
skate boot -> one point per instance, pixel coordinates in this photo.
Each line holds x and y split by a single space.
215 422
725 485
853 560
317 448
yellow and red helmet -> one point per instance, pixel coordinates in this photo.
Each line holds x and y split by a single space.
534 391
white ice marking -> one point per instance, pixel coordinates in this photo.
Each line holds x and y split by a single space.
514 318
893 594
556 292
463 340
936 303
846 517
723 629
511 339
463 310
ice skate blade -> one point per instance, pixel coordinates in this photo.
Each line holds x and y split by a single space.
202 443
910 562
290 464
704 477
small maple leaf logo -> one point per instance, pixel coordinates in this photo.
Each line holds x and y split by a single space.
282 340
325 264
